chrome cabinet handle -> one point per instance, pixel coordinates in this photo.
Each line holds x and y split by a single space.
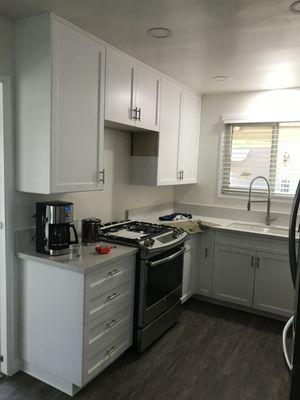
139 113
206 252
101 176
182 172
257 262
134 113
179 175
112 323
114 272
169 258
252 261
111 351
113 296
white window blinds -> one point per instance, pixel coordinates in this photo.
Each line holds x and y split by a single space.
268 149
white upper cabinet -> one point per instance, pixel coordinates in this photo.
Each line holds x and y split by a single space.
147 86
132 92
60 76
176 158
169 133
189 137
119 88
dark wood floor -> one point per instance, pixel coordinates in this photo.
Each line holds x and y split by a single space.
213 353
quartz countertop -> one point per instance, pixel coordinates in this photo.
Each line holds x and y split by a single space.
230 225
86 263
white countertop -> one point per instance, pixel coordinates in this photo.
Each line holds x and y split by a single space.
88 260
230 225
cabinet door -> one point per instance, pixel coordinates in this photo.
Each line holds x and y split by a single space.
119 88
204 263
169 133
233 275
274 291
147 87
77 110
189 136
189 268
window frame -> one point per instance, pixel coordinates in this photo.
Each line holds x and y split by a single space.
243 193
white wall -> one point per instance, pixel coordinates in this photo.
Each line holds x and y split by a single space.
118 194
275 104
6 46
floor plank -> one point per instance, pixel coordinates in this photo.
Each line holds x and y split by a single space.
213 353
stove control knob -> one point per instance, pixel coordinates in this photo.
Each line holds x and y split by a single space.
149 242
176 233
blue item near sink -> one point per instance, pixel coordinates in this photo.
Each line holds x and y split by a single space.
172 217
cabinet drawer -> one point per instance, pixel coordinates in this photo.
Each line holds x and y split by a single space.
108 300
99 330
109 277
98 360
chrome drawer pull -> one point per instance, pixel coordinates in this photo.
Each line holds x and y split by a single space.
111 351
113 296
114 272
112 323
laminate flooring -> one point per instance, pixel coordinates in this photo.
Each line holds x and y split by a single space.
212 353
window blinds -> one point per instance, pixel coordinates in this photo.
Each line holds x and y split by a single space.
268 149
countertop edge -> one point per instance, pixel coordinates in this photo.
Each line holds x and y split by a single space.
27 255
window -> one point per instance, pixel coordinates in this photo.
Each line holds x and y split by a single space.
268 149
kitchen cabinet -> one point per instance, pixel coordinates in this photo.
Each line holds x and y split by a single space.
190 267
274 291
132 92
204 263
189 137
74 324
254 272
176 157
233 275
60 75
167 169
119 88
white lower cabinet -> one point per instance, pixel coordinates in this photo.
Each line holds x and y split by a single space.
233 275
274 291
253 272
205 262
190 268
75 324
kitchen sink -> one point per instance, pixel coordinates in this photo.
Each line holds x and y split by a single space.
271 230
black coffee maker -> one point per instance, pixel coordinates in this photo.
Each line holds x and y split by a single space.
53 225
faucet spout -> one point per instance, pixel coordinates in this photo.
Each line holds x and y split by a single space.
268 201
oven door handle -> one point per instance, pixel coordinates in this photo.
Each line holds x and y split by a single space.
169 258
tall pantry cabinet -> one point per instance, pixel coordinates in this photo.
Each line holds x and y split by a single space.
60 74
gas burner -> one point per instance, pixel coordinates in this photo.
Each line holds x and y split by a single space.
142 234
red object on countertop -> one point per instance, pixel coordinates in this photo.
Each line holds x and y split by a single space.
103 249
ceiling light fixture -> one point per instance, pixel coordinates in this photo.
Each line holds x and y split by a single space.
159 33
221 78
295 7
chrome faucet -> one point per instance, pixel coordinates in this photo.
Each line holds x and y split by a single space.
269 219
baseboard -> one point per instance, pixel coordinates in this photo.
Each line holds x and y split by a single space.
239 307
52 380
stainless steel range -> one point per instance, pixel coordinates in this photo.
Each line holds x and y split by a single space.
158 275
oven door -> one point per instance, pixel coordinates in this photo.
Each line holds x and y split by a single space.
161 284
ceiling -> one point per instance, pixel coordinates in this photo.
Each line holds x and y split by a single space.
255 42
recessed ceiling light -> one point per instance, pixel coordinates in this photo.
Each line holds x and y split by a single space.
295 7
221 78
159 33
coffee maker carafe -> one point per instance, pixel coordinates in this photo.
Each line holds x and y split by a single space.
53 227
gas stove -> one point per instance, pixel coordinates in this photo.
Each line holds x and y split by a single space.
142 234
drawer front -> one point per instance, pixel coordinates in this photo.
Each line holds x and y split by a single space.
108 300
108 277
99 330
97 361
